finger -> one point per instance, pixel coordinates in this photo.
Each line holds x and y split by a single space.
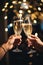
20 40
29 45
34 36
15 37
11 46
11 36
19 43
29 42
31 38
11 40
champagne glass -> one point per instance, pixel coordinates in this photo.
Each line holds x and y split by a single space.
17 27
27 28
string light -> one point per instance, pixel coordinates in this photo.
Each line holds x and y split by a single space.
30 6
11 6
5 6
14 2
39 8
6 3
29 11
19 2
24 6
35 21
3 9
6 29
11 25
5 17
24 0
20 11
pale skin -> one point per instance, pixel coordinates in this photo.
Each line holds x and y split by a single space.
34 41
9 45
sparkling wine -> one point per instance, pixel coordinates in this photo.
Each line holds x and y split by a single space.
17 26
27 27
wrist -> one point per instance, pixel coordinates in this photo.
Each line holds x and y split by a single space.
5 48
41 43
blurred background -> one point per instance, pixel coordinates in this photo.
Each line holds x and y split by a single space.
9 9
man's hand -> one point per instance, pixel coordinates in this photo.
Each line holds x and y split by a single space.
12 41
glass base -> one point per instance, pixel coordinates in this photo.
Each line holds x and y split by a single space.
17 50
31 51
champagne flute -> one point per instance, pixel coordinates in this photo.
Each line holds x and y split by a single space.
27 28
17 27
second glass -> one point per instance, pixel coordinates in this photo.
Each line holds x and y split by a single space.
27 28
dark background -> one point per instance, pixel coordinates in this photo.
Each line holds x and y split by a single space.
19 58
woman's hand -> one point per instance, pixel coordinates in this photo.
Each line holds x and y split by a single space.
34 41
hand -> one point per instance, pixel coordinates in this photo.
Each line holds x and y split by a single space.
34 40
12 42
